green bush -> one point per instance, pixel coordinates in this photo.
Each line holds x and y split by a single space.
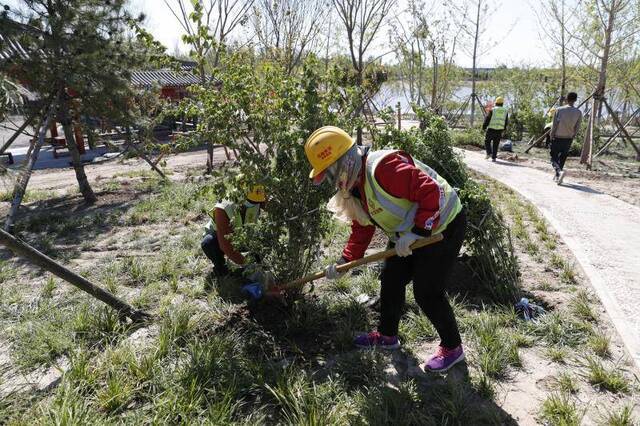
264 115
488 240
525 120
468 137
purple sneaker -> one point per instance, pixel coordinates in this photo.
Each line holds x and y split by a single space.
444 359
375 339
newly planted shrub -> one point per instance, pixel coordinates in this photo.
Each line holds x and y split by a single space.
264 115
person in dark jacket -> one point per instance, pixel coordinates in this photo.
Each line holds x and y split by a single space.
495 123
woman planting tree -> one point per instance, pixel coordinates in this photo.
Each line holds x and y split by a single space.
407 200
226 217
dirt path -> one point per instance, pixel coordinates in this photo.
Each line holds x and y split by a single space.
602 231
63 179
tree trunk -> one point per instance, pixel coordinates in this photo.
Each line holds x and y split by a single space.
21 185
473 72
434 83
586 156
83 182
563 81
360 109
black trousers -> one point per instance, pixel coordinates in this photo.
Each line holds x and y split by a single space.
212 250
492 142
428 268
559 152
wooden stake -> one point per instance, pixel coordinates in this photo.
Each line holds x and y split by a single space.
622 128
616 133
21 186
29 253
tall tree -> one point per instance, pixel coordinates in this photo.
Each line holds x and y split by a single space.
81 56
475 26
426 48
557 23
208 25
287 30
609 31
362 20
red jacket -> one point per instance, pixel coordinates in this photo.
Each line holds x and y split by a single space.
398 176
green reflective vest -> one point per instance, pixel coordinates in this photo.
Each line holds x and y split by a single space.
235 215
396 215
498 118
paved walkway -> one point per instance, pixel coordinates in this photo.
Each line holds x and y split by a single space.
602 231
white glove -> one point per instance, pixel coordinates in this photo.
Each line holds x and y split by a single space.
403 245
331 272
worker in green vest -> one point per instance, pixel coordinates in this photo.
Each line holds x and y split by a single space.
225 217
406 199
495 123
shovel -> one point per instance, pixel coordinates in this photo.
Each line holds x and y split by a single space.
255 291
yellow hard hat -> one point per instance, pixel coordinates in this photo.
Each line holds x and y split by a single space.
325 146
257 194
499 100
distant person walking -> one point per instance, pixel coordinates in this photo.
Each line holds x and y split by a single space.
566 123
494 123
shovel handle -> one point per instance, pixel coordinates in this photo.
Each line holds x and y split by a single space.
422 242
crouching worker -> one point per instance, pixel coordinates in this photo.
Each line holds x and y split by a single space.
407 200
227 216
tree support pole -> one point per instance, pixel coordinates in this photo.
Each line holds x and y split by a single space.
617 132
622 128
143 155
18 132
25 251
21 186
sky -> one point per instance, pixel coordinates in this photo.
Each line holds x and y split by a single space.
513 26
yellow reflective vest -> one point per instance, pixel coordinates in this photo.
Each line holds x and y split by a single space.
498 118
396 215
235 215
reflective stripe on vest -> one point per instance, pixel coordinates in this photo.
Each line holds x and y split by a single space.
498 118
397 215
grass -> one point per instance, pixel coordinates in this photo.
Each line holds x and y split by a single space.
567 383
559 409
557 354
7 271
581 307
621 417
30 196
558 329
213 361
600 343
599 376
495 349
